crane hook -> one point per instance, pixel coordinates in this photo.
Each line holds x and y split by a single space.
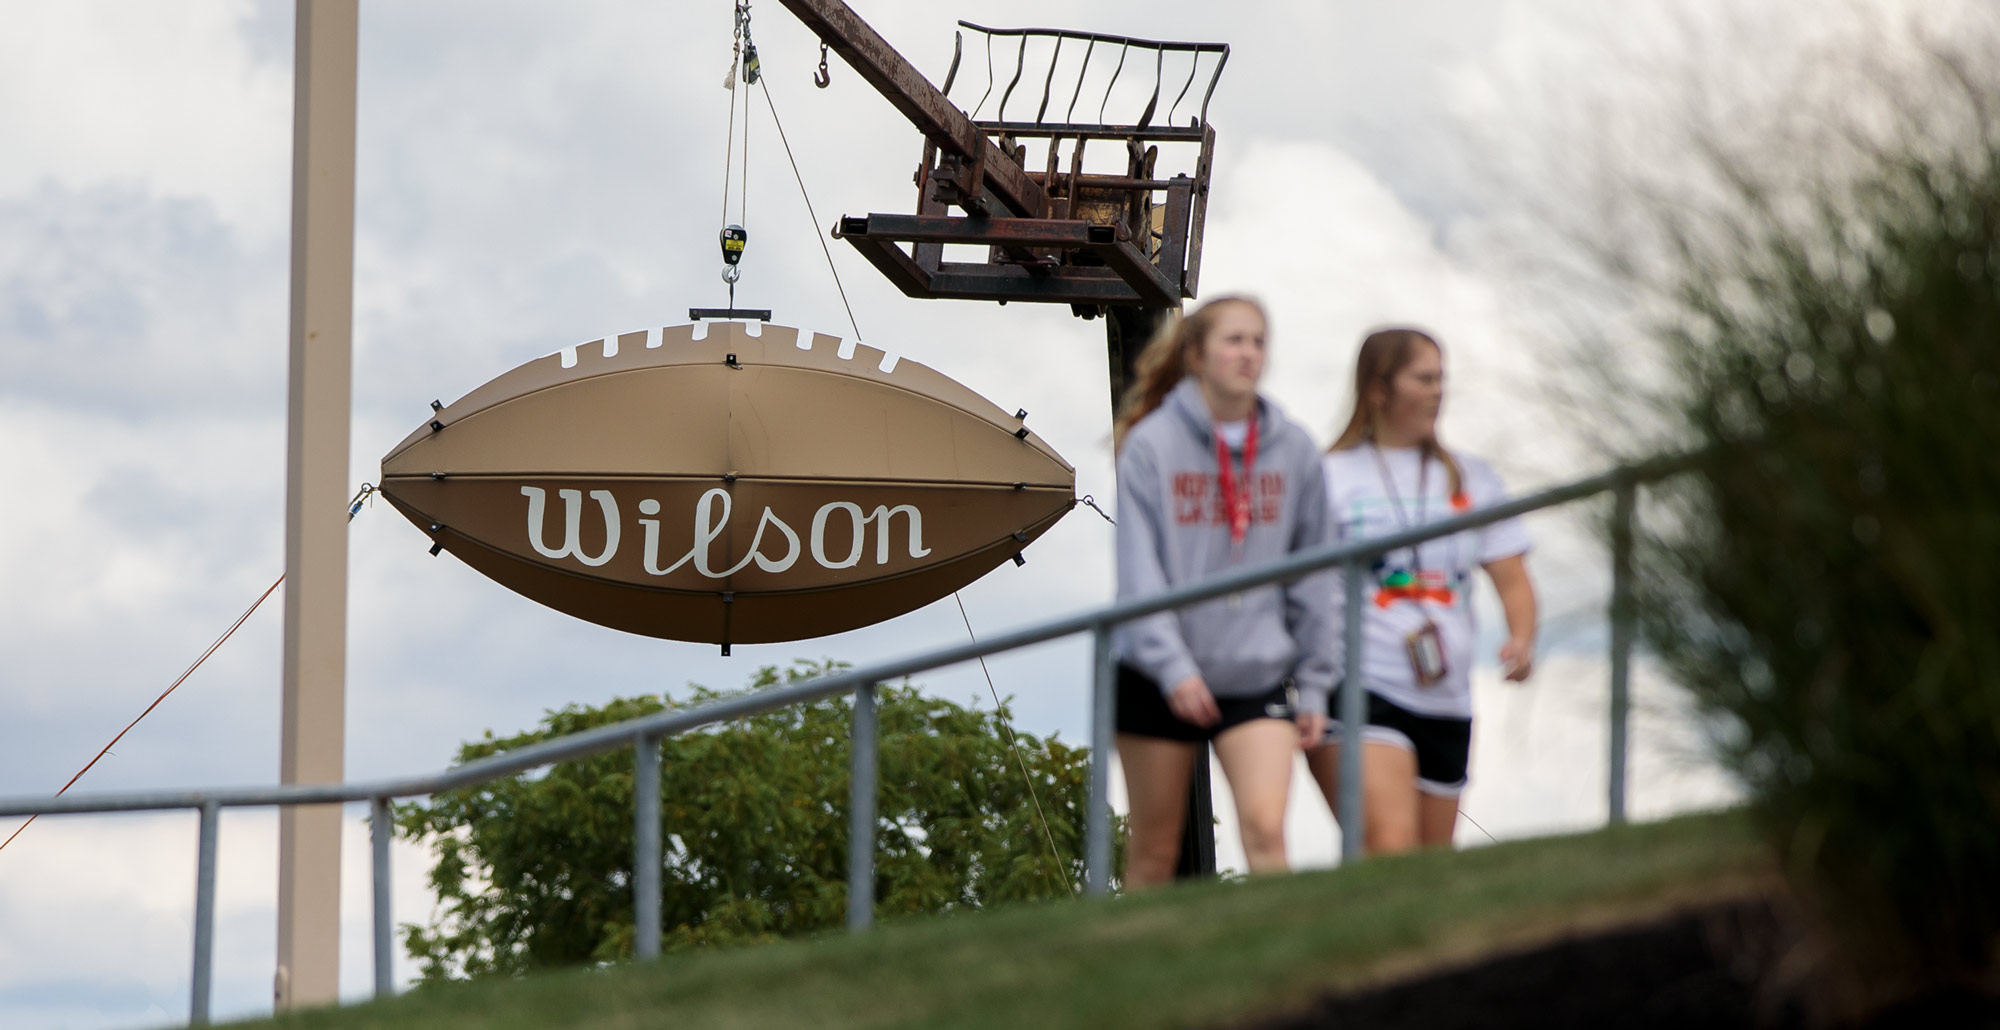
821 78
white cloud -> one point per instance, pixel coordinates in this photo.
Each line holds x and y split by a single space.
132 305
167 96
1335 252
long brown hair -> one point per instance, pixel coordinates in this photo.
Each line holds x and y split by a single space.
1384 353
1163 364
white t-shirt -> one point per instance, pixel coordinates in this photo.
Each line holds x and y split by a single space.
1403 589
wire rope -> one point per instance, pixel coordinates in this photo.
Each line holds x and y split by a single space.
365 495
729 146
1013 746
1055 855
743 170
810 213
219 641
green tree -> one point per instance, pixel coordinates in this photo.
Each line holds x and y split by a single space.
534 871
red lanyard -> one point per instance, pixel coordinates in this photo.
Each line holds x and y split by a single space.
1235 496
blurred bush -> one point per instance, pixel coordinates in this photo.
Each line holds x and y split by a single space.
1827 582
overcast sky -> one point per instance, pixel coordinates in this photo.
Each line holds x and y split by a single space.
533 175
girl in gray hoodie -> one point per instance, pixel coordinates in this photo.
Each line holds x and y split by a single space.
1212 476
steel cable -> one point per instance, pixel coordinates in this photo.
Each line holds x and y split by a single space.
363 496
1055 854
156 701
810 213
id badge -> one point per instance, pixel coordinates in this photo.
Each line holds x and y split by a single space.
1426 654
1289 707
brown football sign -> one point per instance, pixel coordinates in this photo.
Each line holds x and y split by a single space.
716 483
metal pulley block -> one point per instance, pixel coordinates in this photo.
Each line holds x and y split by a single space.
732 238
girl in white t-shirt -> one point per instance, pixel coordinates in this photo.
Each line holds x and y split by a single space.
1388 473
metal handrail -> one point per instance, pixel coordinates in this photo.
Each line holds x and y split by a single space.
644 733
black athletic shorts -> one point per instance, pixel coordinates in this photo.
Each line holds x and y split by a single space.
1443 746
1143 710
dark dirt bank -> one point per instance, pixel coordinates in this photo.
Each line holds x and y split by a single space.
1710 967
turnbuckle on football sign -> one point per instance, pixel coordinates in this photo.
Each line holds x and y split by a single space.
735 488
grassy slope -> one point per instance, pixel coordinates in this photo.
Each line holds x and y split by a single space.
1193 955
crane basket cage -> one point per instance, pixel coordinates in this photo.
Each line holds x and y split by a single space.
1105 238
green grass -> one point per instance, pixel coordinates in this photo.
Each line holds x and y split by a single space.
1193 955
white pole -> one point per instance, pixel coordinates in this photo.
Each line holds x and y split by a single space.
314 715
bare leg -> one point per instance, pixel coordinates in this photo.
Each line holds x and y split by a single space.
1157 773
1257 758
1389 792
1437 819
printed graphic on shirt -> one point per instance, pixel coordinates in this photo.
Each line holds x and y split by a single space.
1444 574
1408 593
1198 499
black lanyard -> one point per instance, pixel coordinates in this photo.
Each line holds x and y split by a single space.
1396 502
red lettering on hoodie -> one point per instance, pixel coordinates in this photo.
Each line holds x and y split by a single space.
1198 499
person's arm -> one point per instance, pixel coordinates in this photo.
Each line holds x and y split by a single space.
1309 606
1517 600
1153 644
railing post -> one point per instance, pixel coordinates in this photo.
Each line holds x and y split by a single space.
1623 511
1097 823
646 858
204 915
1353 720
381 831
861 814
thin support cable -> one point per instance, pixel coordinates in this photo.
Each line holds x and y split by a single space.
1475 824
1054 855
219 641
810 213
743 183
729 146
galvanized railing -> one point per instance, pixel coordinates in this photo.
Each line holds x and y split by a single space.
644 734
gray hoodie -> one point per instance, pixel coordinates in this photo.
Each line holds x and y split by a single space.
1173 529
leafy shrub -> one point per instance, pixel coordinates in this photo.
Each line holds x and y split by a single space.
534 871
1827 582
